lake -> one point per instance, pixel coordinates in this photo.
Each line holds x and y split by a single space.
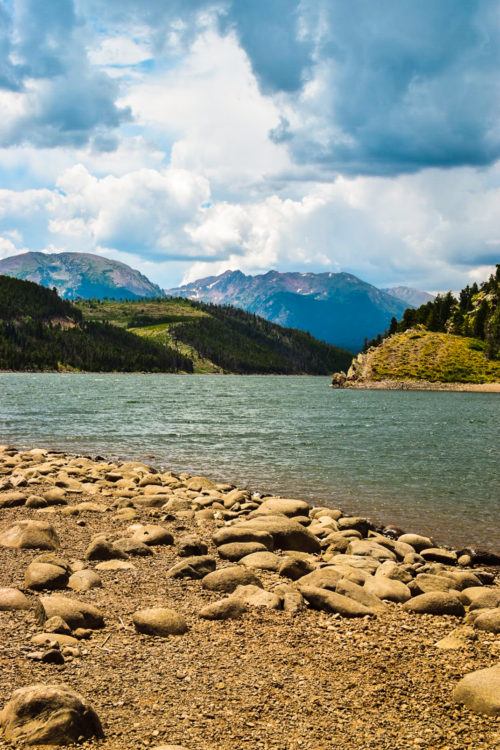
427 461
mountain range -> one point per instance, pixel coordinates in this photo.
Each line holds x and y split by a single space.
80 275
335 307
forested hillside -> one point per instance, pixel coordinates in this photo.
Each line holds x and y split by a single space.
475 313
40 331
221 338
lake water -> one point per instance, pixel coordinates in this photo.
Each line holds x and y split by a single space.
427 461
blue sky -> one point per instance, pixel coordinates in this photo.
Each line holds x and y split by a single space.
186 137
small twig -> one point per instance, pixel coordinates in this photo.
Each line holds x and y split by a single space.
105 641
125 626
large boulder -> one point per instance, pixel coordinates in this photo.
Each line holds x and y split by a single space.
360 594
287 533
416 541
480 691
12 499
30 535
480 597
49 715
261 561
84 580
435 603
75 613
159 621
228 579
102 549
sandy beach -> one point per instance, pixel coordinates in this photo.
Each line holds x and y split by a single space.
310 656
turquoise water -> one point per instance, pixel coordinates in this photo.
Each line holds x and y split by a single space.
427 461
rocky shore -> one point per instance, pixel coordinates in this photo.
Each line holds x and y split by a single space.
339 380
141 609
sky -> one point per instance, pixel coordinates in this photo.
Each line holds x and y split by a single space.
189 137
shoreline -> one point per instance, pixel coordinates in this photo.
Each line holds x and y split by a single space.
417 385
291 621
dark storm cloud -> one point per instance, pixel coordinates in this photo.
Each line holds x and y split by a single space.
68 103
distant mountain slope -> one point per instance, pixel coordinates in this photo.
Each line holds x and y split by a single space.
221 338
413 297
40 331
335 307
80 275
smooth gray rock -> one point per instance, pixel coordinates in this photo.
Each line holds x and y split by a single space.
194 567
39 576
234 551
225 609
30 535
76 613
329 601
480 691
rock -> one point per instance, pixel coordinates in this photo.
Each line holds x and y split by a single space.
489 621
30 535
49 715
125 514
200 483
363 525
228 579
57 625
395 571
329 601
435 603
464 579
131 547
387 588
261 561
460 638
39 576
423 583
234 551
51 559
12 499
225 609
295 568
416 541
116 565
255 596
52 656
34 501
287 533
189 546
280 505
436 554
480 691
293 601
84 580
159 621
195 567
322 578
365 547
12 600
76 613
480 597
101 549
367 564
322 510
56 496
53 640
360 594
153 535
232 534
236 496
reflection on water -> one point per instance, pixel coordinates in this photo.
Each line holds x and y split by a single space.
427 461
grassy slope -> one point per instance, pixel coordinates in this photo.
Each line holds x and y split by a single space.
417 354
218 339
